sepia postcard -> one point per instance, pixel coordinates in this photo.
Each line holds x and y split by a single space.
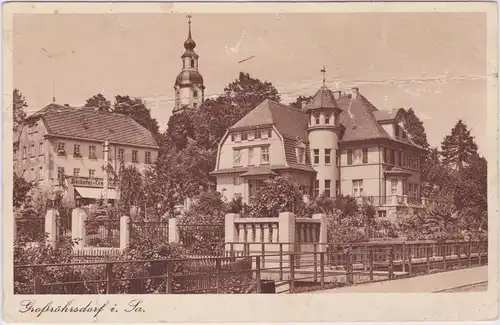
250 162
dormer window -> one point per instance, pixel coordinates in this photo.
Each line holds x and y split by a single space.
301 155
195 93
243 136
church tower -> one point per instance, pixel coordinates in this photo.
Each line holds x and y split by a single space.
189 88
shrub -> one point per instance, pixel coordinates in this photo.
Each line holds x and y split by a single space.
278 194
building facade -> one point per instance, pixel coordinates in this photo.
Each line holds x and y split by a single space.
188 87
338 144
65 144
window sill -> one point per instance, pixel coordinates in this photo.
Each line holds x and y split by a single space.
264 163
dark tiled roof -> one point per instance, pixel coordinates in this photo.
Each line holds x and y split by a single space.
386 115
97 126
323 98
290 122
358 119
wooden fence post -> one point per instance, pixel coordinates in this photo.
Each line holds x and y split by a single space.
217 274
410 266
371 257
292 273
348 266
469 256
479 251
170 275
404 258
391 263
258 288
315 258
428 259
109 278
444 257
281 262
322 269
37 282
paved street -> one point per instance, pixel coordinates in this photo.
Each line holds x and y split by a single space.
463 280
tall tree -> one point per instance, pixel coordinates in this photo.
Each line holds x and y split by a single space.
18 106
459 148
416 129
100 102
245 93
130 188
136 109
180 129
299 101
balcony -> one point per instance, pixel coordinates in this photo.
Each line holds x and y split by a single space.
90 182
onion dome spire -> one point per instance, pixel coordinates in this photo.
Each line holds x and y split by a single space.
189 44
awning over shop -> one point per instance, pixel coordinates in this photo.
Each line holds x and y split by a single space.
95 193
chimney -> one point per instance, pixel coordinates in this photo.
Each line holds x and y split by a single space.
355 92
303 103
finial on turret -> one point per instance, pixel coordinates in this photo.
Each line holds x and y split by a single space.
324 75
189 44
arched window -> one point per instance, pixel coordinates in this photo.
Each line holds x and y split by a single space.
195 93
192 63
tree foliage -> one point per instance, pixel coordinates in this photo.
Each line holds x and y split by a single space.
18 106
278 194
20 190
99 102
130 187
300 101
458 149
137 110
416 129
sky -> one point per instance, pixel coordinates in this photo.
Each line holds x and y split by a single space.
433 62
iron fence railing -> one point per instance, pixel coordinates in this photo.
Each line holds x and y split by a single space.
155 230
202 239
102 232
244 266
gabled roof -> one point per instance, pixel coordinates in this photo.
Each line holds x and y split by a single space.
290 122
52 107
387 115
96 126
323 98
